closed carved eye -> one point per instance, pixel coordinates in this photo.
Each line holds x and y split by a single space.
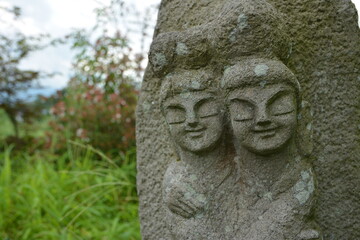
175 114
241 110
282 104
207 109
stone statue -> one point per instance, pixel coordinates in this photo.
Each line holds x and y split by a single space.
267 193
224 134
195 114
264 102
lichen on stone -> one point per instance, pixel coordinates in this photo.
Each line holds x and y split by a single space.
304 187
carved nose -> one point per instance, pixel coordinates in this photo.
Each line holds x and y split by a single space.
191 119
263 121
262 118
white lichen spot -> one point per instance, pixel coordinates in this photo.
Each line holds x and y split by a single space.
159 60
263 84
232 35
261 70
305 175
309 234
201 198
195 85
176 179
228 229
302 197
146 106
188 195
268 196
303 104
242 22
193 177
190 192
304 187
181 49
185 95
200 215
300 186
226 72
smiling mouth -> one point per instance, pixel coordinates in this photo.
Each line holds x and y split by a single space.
266 133
195 132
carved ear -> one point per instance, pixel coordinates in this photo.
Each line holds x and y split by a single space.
304 129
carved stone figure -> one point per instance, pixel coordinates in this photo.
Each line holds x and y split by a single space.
224 136
268 193
263 98
195 114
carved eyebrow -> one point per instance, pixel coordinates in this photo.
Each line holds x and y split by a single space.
242 99
201 101
174 106
278 94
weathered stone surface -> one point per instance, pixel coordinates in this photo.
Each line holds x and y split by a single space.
319 41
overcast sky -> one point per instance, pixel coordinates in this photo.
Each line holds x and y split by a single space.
58 17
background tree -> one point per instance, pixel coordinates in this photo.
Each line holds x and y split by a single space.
14 81
98 106
77 191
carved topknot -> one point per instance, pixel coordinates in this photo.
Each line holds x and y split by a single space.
258 72
251 28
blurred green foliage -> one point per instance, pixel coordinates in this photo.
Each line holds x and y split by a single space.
70 172
51 197
98 106
14 80
88 114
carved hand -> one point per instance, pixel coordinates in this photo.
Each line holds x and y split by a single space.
184 201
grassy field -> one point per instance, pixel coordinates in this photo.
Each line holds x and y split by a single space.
35 129
80 194
6 128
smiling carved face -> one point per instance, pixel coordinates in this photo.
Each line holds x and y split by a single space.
263 119
195 120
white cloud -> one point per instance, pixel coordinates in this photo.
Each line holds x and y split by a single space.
69 14
58 17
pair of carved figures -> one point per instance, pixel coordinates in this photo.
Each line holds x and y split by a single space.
238 132
240 175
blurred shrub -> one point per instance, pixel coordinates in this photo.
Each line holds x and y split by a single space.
98 105
90 115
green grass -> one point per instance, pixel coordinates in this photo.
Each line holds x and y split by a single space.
6 127
35 129
70 197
